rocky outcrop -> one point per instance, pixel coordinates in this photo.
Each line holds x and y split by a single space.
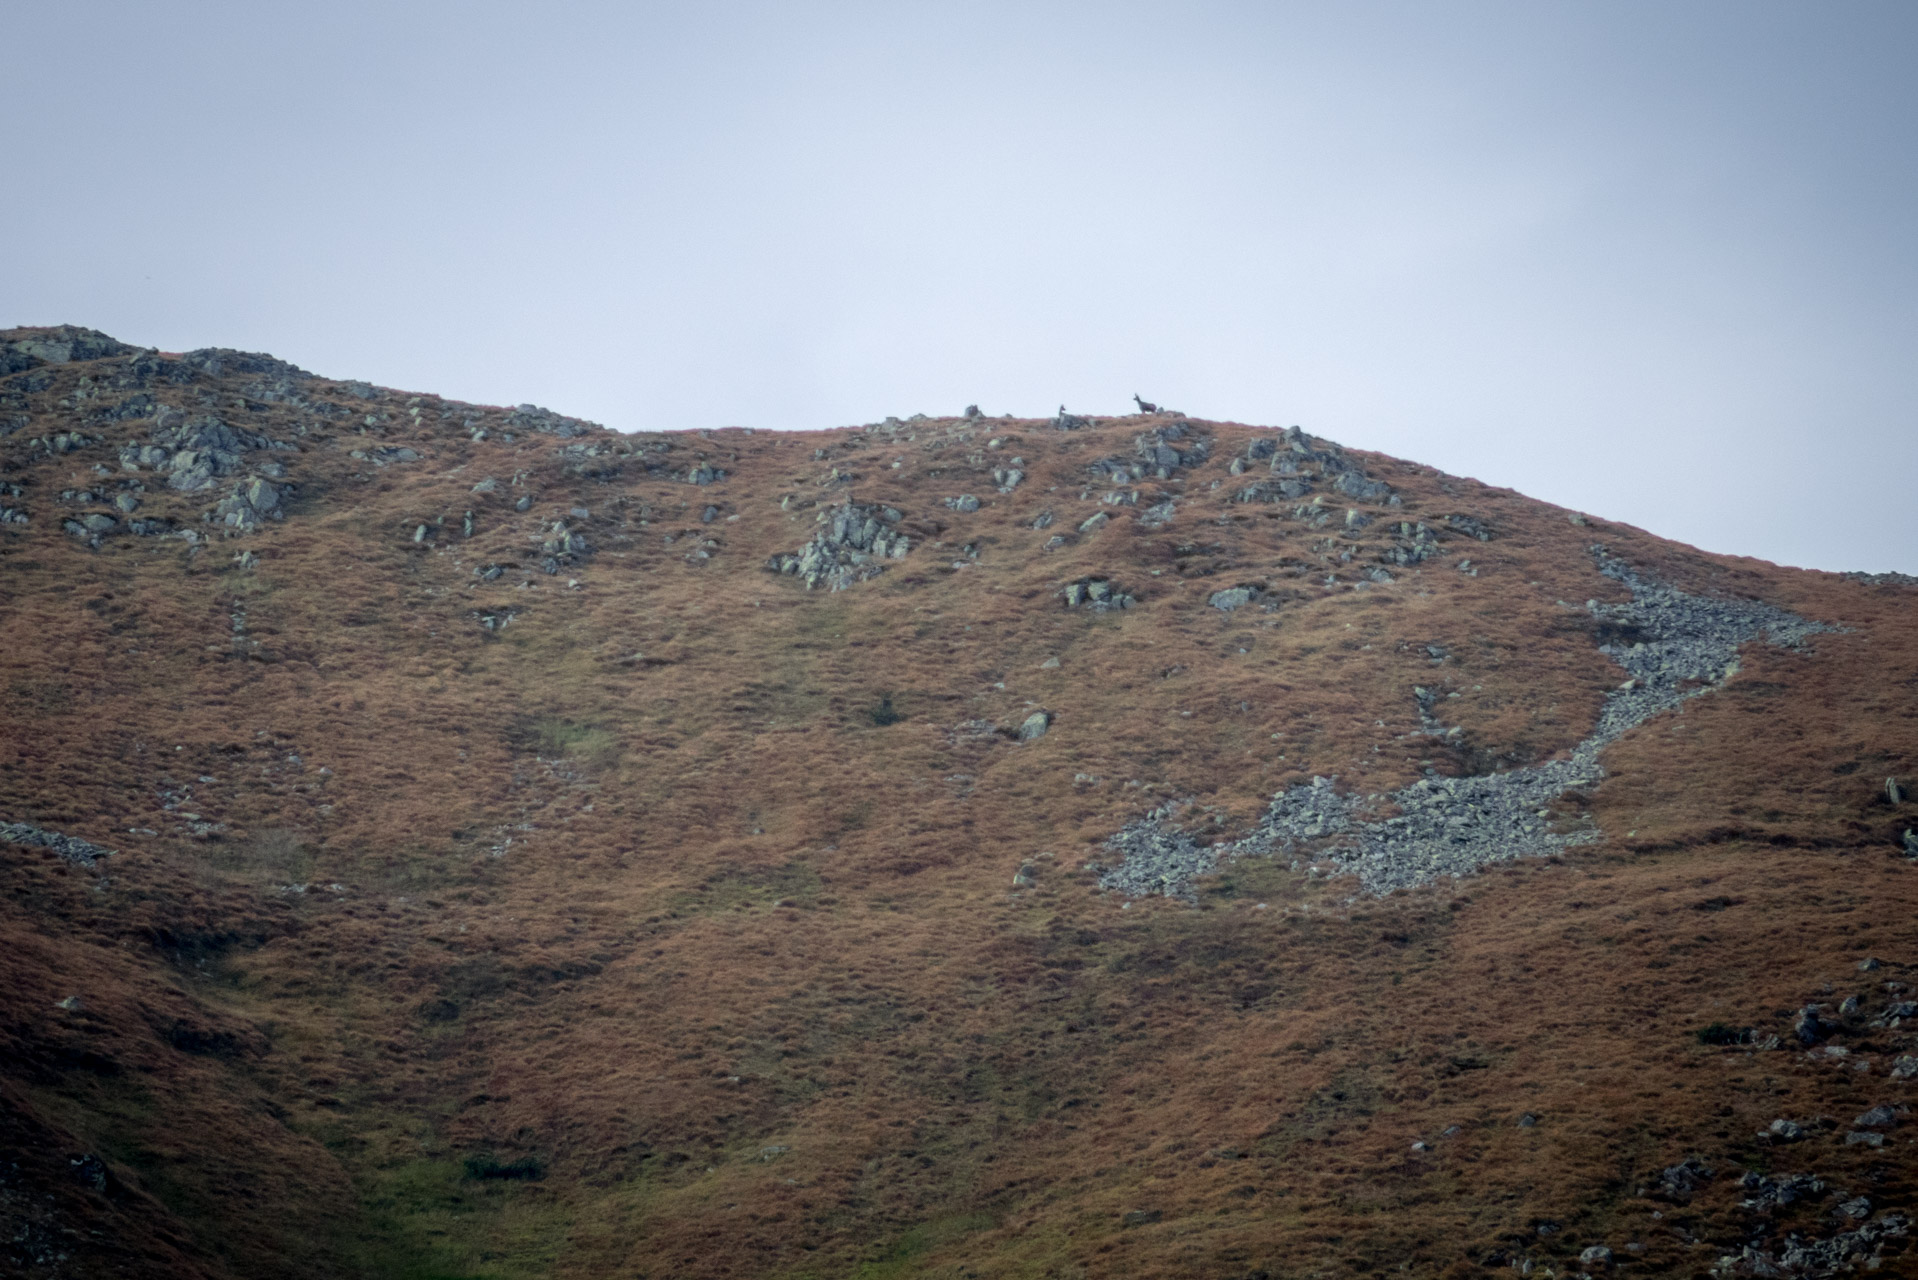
1470 526
530 417
1159 514
252 501
61 344
1278 489
851 545
193 452
1298 462
267 371
1413 542
561 542
1159 452
138 405
1355 484
1236 597
89 528
1260 449
1034 726
1814 1259
1168 448
1097 594
63 442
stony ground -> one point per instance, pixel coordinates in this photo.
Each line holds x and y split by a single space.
454 840
1681 646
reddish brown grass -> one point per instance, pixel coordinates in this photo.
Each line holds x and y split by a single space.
751 980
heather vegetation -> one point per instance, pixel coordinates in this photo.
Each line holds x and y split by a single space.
453 841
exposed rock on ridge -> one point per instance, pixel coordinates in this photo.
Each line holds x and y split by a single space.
851 545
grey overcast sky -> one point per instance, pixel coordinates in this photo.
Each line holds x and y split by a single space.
1653 260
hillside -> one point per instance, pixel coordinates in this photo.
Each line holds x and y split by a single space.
460 841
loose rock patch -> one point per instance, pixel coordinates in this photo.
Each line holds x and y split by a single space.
851 546
1682 646
82 853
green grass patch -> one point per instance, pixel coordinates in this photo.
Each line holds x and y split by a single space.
589 744
748 887
904 1256
278 855
430 1219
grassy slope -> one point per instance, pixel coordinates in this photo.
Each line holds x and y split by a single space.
751 981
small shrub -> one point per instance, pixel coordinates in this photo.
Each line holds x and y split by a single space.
883 714
439 1011
488 1168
